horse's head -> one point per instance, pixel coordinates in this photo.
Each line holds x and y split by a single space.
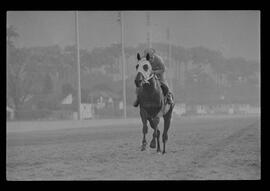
144 70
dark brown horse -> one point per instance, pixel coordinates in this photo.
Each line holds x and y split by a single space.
152 103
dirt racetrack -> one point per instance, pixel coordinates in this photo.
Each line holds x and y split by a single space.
202 148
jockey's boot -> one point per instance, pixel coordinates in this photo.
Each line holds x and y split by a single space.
167 93
136 103
169 98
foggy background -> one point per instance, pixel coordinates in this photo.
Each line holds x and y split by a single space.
212 60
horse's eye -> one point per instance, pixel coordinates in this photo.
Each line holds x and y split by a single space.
137 66
145 68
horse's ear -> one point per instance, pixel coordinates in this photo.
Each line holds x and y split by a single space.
147 56
138 56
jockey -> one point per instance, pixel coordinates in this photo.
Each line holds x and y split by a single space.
158 68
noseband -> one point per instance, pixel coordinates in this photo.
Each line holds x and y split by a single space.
146 80
146 72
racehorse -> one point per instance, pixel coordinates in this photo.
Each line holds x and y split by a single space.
152 103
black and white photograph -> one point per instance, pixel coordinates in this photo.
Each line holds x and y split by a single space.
124 95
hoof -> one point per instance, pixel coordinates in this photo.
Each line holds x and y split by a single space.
163 152
143 148
153 144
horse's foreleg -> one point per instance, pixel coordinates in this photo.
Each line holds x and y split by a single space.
154 124
145 128
153 141
144 142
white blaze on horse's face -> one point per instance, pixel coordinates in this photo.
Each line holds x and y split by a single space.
145 68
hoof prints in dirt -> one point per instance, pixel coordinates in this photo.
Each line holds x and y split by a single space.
193 153
198 167
215 149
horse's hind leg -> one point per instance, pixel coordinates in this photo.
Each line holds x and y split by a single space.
167 123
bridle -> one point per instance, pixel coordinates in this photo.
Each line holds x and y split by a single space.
147 75
146 81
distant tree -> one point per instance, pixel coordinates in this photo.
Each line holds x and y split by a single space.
116 50
21 80
180 54
18 89
12 34
24 70
67 89
48 84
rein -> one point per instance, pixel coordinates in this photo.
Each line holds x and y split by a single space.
147 80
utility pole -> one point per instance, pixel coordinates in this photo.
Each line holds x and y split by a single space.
123 64
148 24
78 64
170 57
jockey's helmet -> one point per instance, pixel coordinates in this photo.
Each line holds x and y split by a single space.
149 51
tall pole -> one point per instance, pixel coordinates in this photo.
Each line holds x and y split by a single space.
78 65
148 30
170 57
123 64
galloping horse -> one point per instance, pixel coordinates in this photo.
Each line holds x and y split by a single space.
152 103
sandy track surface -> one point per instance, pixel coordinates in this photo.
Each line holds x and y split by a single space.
198 149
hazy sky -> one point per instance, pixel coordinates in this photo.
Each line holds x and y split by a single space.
234 33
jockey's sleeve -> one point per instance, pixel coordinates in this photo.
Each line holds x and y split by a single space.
158 64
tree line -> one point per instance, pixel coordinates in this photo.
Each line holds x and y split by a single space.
36 70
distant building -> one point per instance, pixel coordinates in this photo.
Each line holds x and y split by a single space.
201 109
67 100
179 109
86 111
